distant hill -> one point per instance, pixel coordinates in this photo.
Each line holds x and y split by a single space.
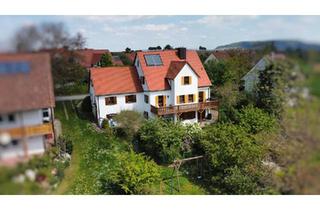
278 45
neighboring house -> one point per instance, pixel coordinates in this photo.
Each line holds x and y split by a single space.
251 79
116 61
91 57
217 55
26 106
171 83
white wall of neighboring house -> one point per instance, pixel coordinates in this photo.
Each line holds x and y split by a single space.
26 118
35 144
211 58
251 79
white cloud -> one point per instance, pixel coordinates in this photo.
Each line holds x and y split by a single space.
116 18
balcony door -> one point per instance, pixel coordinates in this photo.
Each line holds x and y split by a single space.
161 101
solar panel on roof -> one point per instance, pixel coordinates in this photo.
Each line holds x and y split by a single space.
153 60
14 67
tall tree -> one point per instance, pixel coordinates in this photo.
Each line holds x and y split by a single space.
106 60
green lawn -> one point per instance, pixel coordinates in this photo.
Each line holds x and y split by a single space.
80 175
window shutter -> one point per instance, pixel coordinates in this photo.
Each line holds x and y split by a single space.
164 101
185 98
190 79
157 100
178 102
182 80
195 97
204 96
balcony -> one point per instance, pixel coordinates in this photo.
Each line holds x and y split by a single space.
212 104
27 131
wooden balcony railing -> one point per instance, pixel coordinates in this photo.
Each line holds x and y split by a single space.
213 104
34 130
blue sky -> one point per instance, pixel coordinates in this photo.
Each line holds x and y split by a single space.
140 32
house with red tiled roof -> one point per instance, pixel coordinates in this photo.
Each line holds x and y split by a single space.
217 55
171 83
26 106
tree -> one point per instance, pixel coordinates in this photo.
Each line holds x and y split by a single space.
255 120
106 60
270 89
234 160
202 48
132 174
166 141
128 50
168 47
129 122
46 36
125 60
219 72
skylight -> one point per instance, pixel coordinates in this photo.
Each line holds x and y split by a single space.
14 67
153 60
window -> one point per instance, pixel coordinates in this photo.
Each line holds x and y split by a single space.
111 100
1 118
160 101
11 118
153 60
15 142
45 112
138 63
201 96
186 80
131 99
146 99
146 115
181 99
142 80
190 98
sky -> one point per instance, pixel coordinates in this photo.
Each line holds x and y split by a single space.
140 32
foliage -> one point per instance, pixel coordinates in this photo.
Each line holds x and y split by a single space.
106 60
202 48
46 36
86 104
255 120
234 160
125 60
270 88
129 122
168 47
166 141
128 50
132 174
219 72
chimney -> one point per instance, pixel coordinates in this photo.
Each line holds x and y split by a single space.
182 53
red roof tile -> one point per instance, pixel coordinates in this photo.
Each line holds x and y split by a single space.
90 57
29 90
155 76
115 80
221 55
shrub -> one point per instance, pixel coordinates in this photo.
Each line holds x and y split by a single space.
232 155
162 140
86 104
131 175
255 120
129 122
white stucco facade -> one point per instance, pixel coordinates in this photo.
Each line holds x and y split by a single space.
34 144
